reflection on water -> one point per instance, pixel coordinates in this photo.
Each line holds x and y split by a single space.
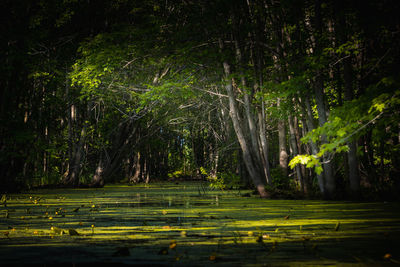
147 218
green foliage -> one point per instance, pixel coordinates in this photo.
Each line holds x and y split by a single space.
176 175
222 180
347 123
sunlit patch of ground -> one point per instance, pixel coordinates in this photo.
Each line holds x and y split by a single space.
183 224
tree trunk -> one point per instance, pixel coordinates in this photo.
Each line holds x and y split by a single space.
330 183
314 148
98 179
75 161
264 145
352 161
293 144
234 114
249 115
136 176
283 155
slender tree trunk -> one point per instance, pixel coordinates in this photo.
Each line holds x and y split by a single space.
330 183
75 161
283 155
314 148
98 179
293 144
255 151
264 144
136 176
234 114
352 160
304 172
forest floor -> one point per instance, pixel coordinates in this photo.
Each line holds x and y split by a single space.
188 224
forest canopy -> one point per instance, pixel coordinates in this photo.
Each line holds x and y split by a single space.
299 98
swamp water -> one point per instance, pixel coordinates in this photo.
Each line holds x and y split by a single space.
187 224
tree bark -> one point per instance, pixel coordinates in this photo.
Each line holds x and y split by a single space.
75 161
136 176
314 148
234 114
283 155
352 160
255 151
293 144
330 183
98 179
264 144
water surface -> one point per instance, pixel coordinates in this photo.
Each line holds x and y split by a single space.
189 224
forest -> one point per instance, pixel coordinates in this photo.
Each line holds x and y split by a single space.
289 98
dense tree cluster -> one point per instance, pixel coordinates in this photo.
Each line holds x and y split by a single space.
280 95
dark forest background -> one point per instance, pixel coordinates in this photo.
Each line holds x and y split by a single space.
299 98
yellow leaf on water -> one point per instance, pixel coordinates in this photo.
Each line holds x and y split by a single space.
57 230
172 244
387 256
213 257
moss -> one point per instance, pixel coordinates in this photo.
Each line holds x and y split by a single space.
143 220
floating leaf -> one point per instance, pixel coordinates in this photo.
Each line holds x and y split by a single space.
57 230
163 251
72 232
265 236
213 257
387 256
172 244
337 226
